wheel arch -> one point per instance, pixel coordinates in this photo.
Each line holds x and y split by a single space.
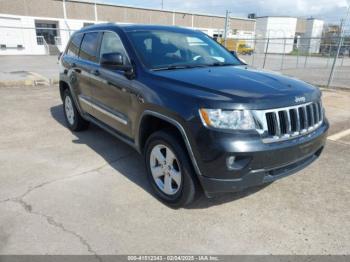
63 86
151 121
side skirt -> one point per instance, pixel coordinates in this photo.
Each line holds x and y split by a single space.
112 131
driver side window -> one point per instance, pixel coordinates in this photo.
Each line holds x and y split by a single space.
111 43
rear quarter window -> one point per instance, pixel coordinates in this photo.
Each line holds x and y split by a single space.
74 45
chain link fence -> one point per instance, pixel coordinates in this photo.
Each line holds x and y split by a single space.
309 59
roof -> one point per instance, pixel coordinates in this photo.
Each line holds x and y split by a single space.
134 27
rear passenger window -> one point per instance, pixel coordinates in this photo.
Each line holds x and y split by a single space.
73 48
88 50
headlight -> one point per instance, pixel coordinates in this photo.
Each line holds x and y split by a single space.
228 119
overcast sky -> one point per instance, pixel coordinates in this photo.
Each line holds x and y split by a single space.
330 10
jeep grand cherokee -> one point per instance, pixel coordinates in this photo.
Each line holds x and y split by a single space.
202 120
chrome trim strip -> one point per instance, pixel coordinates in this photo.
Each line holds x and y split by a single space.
103 111
289 122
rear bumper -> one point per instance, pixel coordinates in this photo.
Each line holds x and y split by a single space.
268 163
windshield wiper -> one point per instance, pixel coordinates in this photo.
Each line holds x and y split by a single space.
222 64
174 67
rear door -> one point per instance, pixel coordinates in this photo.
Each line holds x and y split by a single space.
74 65
88 60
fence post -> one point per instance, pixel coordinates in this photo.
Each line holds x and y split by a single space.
307 57
341 39
298 57
284 53
331 76
253 58
266 50
329 55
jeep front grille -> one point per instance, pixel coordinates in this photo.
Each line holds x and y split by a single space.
289 122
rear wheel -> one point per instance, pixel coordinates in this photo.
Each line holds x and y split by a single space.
169 170
73 118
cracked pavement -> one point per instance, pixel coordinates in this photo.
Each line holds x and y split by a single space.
86 193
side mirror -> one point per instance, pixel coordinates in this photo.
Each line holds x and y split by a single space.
112 60
115 61
234 53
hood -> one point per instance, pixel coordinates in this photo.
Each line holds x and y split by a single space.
244 85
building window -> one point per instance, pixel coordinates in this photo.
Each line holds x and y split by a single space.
48 31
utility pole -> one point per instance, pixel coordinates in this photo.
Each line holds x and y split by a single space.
341 41
227 25
65 16
95 9
162 4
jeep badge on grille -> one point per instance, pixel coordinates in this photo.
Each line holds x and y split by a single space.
300 99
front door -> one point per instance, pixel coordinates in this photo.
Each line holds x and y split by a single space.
111 89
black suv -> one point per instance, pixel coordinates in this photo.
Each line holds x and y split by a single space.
202 119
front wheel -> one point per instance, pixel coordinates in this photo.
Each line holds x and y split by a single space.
169 170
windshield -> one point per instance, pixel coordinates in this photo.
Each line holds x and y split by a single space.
161 50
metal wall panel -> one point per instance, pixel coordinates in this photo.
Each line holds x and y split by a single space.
301 25
15 7
44 8
76 10
111 13
161 18
244 25
218 22
183 19
86 11
139 16
202 21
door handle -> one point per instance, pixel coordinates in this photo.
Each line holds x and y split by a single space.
74 68
95 72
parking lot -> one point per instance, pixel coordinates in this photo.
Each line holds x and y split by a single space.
32 70
86 193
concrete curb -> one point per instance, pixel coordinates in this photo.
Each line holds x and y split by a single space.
334 89
28 82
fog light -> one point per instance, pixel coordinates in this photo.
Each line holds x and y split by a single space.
230 162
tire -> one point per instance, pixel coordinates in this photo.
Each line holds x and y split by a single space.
184 188
74 120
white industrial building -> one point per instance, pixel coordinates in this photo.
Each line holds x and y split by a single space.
38 27
275 34
284 34
310 41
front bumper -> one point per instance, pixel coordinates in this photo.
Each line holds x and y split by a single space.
261 163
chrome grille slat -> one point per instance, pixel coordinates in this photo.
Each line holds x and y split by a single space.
298 120
278 124
317 117
289 123
286 123
306 118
